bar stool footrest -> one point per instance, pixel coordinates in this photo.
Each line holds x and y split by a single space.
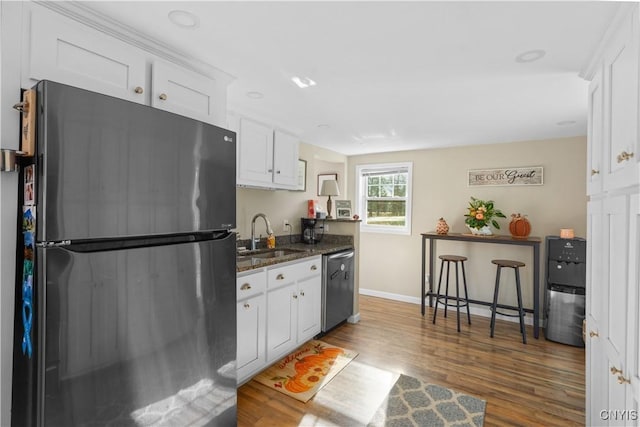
510 314
463 303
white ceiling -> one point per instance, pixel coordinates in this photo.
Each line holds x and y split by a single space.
393 75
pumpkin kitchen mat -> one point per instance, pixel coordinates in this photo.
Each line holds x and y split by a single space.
305 371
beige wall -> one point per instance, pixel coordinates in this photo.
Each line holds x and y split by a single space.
391 264
292 205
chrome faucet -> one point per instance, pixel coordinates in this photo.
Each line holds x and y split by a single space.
253 229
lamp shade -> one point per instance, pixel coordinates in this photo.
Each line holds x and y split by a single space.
330 188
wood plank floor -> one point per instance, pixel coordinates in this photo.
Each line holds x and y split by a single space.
536 384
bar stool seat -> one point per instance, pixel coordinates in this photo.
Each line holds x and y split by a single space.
460 302
507 263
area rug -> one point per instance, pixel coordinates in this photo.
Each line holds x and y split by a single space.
412 402
305 371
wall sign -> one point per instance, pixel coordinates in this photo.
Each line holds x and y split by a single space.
532 175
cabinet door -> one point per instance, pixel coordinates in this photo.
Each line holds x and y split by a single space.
596 375
66 51
633 337
281 320
615 252
255 153
187 93
595 148
621 104
251 336
285 160
309 307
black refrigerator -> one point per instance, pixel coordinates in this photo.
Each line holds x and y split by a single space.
125 295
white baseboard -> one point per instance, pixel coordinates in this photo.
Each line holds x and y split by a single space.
355 318
479 310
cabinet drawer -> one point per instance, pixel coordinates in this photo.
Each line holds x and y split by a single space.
250 285
288 273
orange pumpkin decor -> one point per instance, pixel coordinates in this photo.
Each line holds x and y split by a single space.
520 227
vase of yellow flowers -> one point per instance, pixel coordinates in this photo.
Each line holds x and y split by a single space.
481 216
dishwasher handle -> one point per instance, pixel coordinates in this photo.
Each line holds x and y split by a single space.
340 255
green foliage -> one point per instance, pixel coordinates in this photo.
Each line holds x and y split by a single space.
482 213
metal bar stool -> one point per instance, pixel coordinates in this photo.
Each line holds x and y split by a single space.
494 307
459 302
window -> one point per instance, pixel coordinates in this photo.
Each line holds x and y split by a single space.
383 196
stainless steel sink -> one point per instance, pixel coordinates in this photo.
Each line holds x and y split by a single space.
261 254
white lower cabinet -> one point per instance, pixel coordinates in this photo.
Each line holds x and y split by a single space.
251 321
293 305
279 308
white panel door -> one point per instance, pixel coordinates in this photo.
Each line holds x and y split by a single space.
251 335
187 93
615 252
632 372
309 308
596 360
282 305
285 160
595 148
621 106
66 51
255 153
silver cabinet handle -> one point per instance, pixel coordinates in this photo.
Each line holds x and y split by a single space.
277 171
295 296
594 172
245 287
280 277
246 305
138 90
313 267
301 294
163 96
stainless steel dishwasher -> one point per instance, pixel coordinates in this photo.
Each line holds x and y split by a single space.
337 288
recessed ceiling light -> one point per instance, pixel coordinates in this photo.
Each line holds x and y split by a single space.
324 126
255 95
530 55
184 19
303 82
566 123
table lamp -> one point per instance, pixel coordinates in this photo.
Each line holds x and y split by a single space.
329 188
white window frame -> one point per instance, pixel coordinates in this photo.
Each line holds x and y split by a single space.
361 192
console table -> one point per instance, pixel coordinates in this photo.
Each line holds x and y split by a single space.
533 242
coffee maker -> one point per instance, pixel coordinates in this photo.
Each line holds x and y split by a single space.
310 234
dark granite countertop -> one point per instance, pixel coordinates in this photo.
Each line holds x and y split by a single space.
303 251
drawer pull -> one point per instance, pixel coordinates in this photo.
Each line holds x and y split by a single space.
593 334
163 97
301 294
624 156
280 276
594 172
138 90
295 296
246 305
623 380
615 370
313 267
245 287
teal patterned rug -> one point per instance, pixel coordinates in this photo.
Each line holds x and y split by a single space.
412 402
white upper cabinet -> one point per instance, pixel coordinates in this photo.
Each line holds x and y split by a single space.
621 105
267 158
85 55
184 92
285 160
255 153
66 51
594 154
